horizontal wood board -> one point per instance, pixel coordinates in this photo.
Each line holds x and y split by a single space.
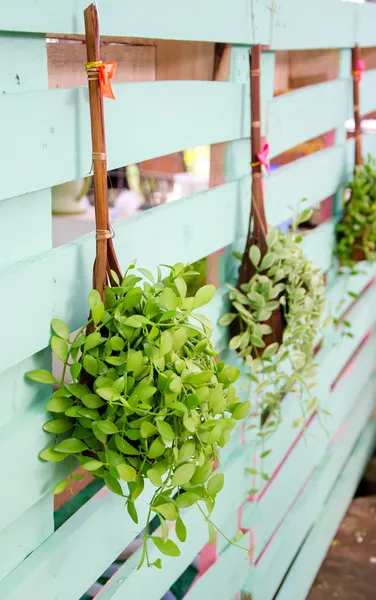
280 24
167 19
229 574
49 131
307 563
64 274
276 560
42 126
53 562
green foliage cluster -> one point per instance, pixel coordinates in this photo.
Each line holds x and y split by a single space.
357 229
147 400
284 278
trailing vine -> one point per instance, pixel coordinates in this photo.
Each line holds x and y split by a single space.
147 400
283 278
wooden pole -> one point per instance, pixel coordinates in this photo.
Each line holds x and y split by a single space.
105 253
355 55
257 228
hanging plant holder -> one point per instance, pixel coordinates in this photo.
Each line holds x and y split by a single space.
278 302
147 399
257 227
357 228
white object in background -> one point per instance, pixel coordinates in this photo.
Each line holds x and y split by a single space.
69 198
186 184
366 126
126 204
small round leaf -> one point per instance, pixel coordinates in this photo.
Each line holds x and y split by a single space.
41 376
71 446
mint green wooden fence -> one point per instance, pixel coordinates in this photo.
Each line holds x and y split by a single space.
45 140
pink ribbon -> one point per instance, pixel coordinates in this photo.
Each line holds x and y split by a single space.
359 68
263 157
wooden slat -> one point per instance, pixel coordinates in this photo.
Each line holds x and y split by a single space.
266 576
314 177
312 24
19 393
129 581
234 22
362 318
276 560
25 231
46 135
294 117
20 538
368 148
268 74
19 240
18 74
330 363
57 555
318 245
53 562
63 275
329 360
369 144
26 435
311 448
368 91
365 33
25 70
225 578
340 134
304 568
214 21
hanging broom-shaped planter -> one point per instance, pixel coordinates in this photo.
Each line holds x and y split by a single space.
278 301
147 400
357 228
255 259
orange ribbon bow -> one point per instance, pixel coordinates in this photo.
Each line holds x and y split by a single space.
106 72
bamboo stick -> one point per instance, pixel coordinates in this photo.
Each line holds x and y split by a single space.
105 252
355 56
257 228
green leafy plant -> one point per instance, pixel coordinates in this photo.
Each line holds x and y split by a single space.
357 228
285 278
147 400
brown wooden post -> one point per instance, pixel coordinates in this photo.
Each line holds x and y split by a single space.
257 228
357 118
105 253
